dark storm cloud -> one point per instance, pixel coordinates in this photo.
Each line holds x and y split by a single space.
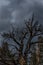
5 17
22 9
18 10
38 10
15 11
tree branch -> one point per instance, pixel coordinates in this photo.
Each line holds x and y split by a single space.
36 42
9 35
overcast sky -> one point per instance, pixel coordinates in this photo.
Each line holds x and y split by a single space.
15 11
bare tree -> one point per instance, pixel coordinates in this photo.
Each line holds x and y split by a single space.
32 29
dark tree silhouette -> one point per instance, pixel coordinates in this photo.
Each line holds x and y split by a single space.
32 30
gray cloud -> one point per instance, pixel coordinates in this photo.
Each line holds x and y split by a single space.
21 9
17 10
4 3
5 17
